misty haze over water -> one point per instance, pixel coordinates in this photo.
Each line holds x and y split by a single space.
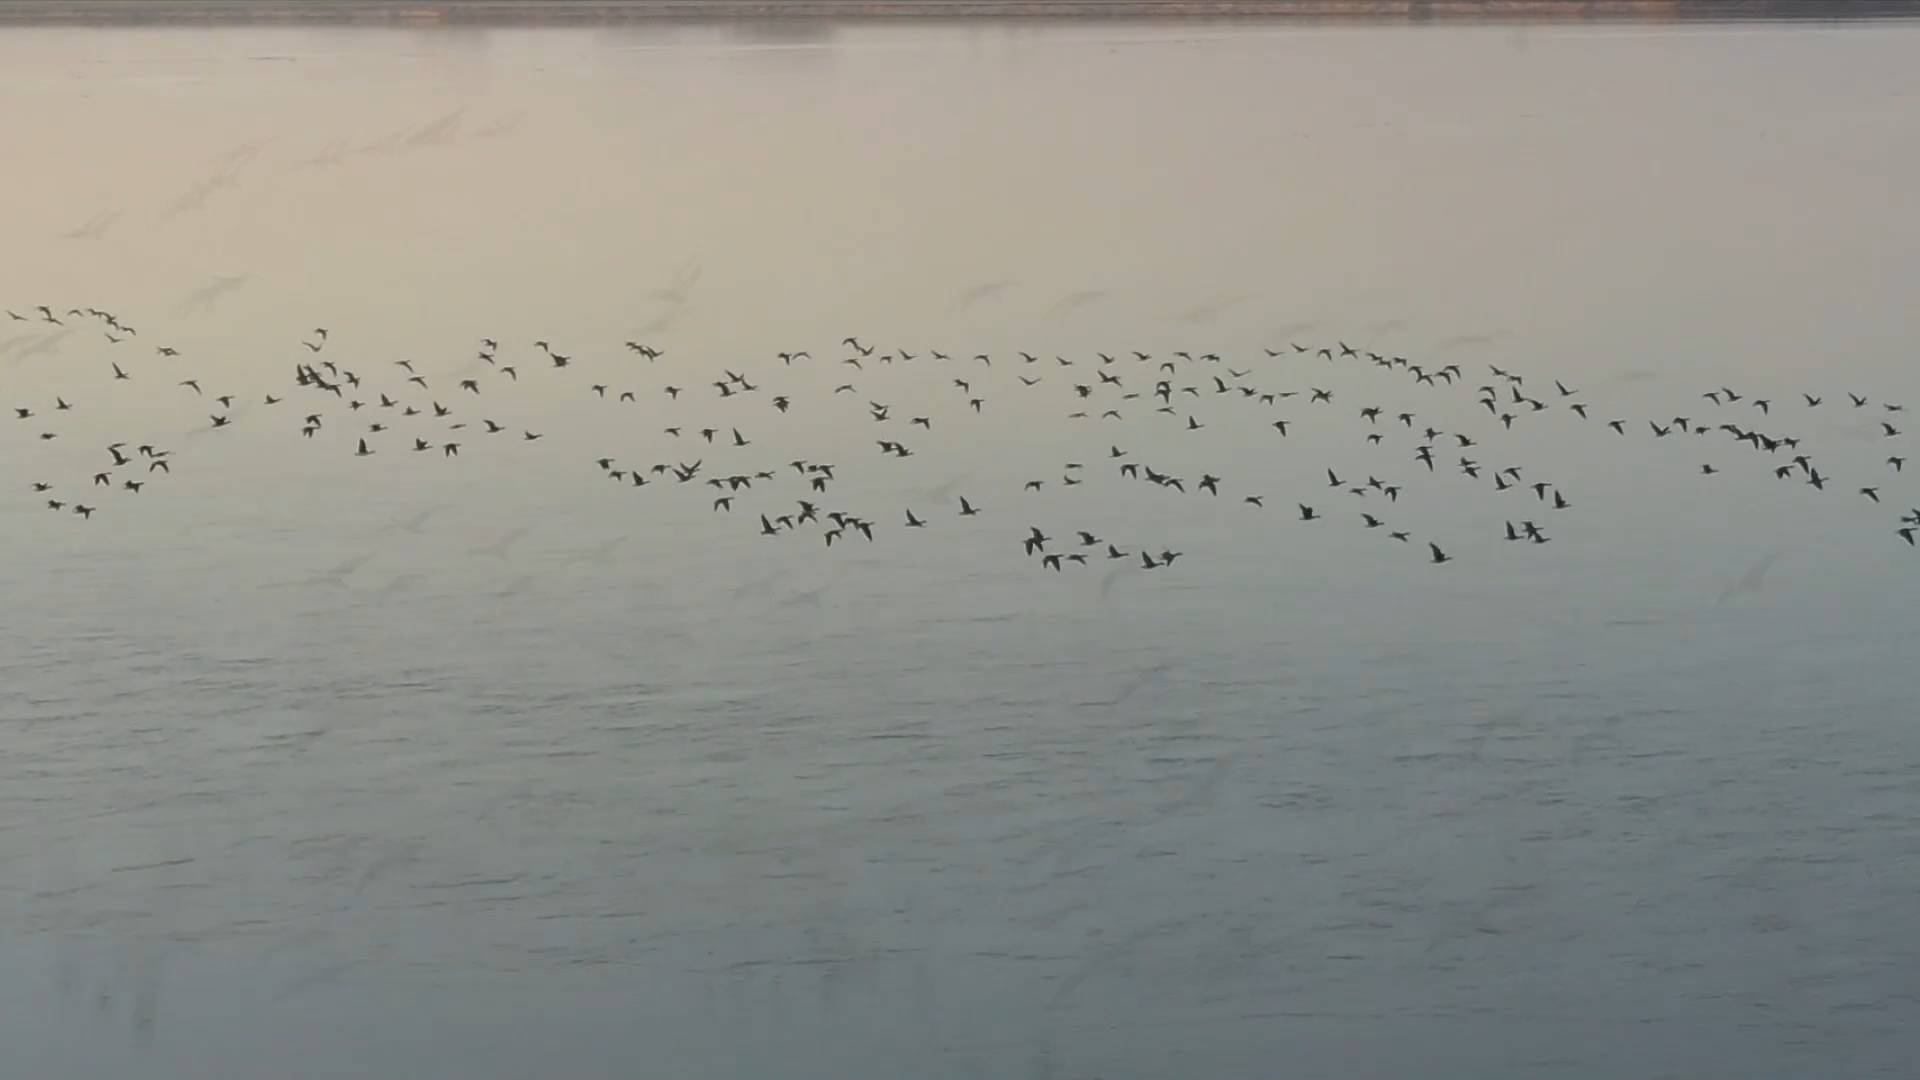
485 767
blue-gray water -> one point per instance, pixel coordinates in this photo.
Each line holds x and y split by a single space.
485 767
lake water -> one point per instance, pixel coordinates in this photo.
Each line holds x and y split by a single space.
484 766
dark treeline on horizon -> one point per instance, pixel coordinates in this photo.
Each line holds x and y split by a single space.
586 11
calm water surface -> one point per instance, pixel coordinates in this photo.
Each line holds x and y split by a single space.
484 767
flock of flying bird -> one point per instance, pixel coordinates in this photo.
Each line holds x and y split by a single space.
377 407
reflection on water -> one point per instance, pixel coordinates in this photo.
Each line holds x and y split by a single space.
494 764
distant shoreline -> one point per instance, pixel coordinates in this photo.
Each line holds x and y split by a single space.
464 12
